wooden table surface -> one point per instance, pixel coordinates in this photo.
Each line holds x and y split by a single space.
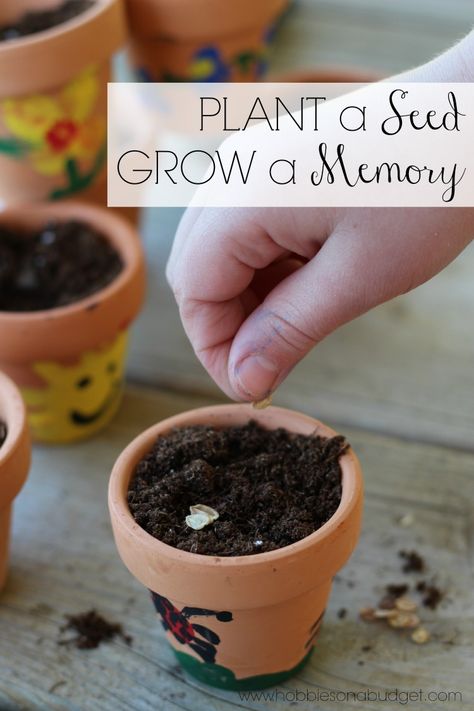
398 382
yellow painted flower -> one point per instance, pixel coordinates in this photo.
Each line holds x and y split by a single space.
58 128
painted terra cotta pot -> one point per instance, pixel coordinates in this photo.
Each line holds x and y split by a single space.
15 455
69 361
248 621
53 101
202 40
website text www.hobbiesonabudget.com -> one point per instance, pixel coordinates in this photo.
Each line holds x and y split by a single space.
402 697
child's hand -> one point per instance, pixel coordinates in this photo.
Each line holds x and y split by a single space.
258 288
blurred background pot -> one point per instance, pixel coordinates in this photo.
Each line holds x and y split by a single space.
329 74
53 101
247 621
69 361
202 40
14 461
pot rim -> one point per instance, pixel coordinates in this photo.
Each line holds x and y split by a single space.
118 234
14 463
64 28
86 40
125 464
339 73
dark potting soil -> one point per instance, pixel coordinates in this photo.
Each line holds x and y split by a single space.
55 266
270 488
432 595
3 432
91 629
413 562
35 21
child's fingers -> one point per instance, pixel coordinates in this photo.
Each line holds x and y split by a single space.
298 313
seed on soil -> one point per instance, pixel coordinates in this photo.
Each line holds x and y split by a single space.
201 516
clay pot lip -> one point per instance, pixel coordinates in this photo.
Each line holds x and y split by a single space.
121 234
337 73
125 464
166 17
13 413
64 28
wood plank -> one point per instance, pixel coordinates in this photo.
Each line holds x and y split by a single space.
390 37
436 12
404 368
64 561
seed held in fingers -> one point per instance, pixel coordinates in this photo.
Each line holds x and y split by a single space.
262 404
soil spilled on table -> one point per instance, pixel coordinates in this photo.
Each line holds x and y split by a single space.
91 629
269 488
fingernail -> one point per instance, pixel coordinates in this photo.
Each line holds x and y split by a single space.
257 375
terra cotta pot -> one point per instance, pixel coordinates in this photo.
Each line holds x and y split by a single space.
261 613
201 40
53 101
14 461
69 361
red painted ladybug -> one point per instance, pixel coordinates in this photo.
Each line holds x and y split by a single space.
199 638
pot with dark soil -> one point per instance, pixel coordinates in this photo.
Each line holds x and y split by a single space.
71 282
54 67
237 520
15 451
202 40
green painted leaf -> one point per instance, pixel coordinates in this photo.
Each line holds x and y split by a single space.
14 147
76 180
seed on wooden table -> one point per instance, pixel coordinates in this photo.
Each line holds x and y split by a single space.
420 635
405 604
404 620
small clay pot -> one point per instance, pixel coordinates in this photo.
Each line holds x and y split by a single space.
69 361
247 621
15 455
53 101
202 40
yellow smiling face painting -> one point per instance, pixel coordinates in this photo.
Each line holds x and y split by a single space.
77 400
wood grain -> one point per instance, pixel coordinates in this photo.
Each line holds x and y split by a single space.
64 561
405 369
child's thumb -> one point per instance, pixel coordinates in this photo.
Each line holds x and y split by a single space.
294 317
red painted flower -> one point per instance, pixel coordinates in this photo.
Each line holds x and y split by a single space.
61 134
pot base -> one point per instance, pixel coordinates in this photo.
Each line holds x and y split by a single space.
222 678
